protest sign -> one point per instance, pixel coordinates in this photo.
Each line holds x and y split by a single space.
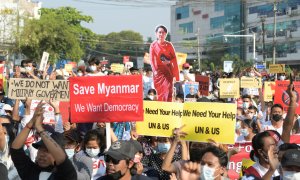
230 88
44 61
206 121
282 97
38 89
49 117
68 67
160 118
228 66
116 67
106 98
202 120
140 62
251 82
277 68
269 91
181 59
190 90
235 165
246 163
64 108
203 84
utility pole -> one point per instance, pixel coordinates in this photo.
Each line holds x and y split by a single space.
263 34
274 32
199 60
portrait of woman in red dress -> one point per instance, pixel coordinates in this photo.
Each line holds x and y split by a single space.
164 65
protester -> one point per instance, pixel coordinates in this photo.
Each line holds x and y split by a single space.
248 130
51 161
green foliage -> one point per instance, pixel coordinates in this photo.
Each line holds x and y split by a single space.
238 64
58 32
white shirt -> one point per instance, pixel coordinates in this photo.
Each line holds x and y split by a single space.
262 170
268 126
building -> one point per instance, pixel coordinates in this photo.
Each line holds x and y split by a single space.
199 26
12 15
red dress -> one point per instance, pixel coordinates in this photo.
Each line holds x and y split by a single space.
165 68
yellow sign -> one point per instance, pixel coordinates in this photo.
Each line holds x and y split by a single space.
116 67
230 88
246 163
160 118
203 121
251 82
206 121
277 68
269 91
181 59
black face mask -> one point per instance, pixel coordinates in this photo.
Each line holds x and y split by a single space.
117 175
276 117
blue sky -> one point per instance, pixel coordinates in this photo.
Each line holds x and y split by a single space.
112 18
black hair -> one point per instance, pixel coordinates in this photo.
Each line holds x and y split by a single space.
246 96
94 134
287 146
253 107
275 106
161 26
251 124
181 96
219 153
10 132
152 91
23 62
258 141
92 61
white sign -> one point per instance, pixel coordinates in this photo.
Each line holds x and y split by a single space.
228 66
140 62
44 61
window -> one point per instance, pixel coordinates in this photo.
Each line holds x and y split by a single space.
186 27
182 12
217 22
219 5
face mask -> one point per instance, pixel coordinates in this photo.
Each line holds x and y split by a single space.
185 71
163 147
282 78
93 68
28 68
276 117
70 153
151 97
246 105
251 74
288 175
207 172
92 152
79 74
244 132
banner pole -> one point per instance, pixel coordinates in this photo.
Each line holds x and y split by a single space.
108 136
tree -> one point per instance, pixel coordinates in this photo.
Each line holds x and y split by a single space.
58 32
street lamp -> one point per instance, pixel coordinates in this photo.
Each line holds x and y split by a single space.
253 36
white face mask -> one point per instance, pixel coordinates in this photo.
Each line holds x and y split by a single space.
93 68
70 153
288 175
92 152
246 105
151 97
79 74
282 78
244 132
207 173
28 68
185 71
7 138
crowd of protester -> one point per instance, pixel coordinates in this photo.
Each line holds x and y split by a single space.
32 150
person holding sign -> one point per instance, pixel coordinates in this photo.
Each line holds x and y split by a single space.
164 65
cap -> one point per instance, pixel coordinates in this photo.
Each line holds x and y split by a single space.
57 137
291 157
121 150
186 65
137 145
7 107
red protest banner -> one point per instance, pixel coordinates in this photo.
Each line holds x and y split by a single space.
203 84
282 97
106 99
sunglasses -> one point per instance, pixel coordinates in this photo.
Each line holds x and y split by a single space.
111 159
